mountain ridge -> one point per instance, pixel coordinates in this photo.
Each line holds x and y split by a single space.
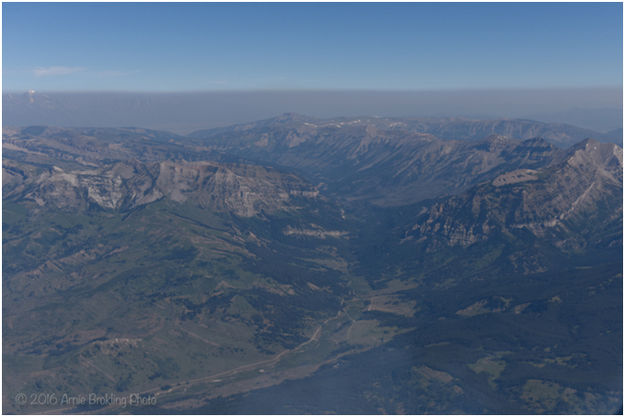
566 193
450 128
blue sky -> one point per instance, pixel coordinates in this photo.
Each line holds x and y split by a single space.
405 46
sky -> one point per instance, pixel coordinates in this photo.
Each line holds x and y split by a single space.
167 47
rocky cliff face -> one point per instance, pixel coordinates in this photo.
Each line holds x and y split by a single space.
74 169
573 200
240 189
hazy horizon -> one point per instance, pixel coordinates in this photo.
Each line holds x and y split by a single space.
598 109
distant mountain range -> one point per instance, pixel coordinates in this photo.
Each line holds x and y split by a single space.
598 109
560 134
395 161
298 265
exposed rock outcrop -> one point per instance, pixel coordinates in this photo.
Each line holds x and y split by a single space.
581 191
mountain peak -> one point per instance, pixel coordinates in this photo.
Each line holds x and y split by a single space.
591 151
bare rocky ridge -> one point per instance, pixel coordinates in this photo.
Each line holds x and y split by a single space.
121 169
240 189
579 191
